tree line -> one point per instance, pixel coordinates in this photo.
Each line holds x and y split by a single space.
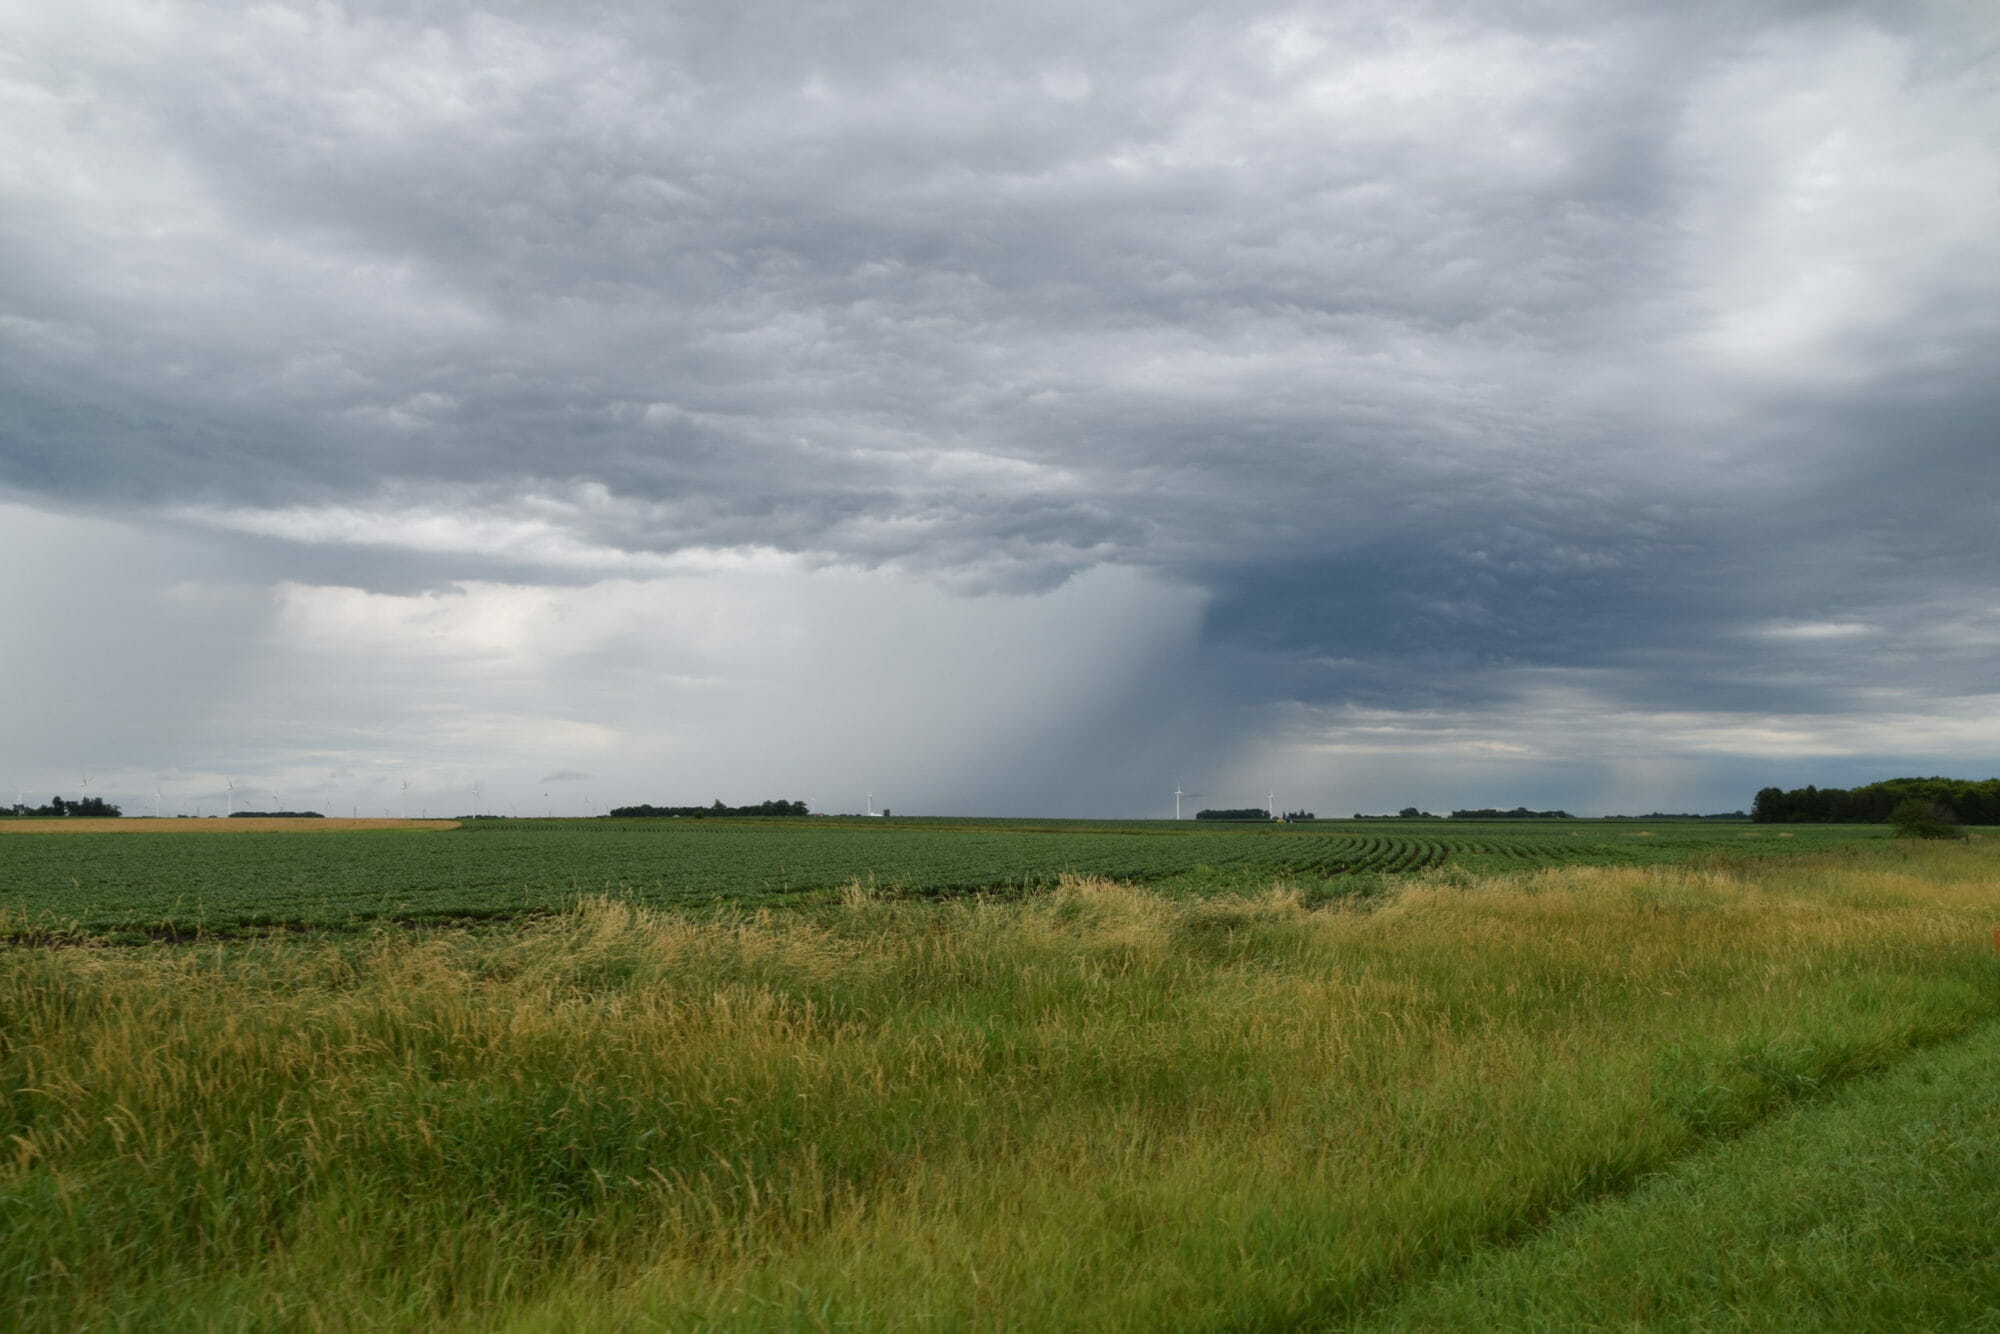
1254 813
644 812
87 808
1969 801
1518 813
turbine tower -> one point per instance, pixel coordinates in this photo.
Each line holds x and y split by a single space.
1177 801
405 807
1271 805
232 794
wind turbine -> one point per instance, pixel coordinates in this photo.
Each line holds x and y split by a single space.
405 807
232 794
156 801
1177 801
1271 805
84 794
475 801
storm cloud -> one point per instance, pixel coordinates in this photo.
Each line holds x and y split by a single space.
1012 409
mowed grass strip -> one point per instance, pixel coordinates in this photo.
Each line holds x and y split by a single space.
1103 1108
1872 1210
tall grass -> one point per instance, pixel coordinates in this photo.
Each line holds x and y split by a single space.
1102 1108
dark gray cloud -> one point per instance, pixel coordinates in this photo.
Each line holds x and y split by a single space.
1431 347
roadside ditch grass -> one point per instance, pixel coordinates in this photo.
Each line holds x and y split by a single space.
1099 1108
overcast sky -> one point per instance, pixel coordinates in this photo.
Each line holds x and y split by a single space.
1016 408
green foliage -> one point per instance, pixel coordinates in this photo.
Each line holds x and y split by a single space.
1968 801
1916 818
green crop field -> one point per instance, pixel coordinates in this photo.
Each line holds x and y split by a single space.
117 882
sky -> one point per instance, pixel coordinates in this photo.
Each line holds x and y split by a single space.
533 407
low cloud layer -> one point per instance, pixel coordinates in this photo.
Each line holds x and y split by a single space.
1485 403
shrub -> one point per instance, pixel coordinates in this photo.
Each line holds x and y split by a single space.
1917 818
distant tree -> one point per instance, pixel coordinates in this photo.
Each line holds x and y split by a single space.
89 808
1410 813
1917 818
647 812
1969 802
1518 813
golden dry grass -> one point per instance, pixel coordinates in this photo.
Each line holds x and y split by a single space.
213 825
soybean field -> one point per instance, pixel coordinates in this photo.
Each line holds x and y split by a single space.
139 883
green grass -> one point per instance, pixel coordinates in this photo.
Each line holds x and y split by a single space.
1874 1210
185 884
1101 1107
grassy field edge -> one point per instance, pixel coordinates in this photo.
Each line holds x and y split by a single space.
1871 1208
1102 1107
